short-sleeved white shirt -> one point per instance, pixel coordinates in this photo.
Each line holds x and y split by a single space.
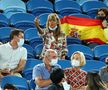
9 57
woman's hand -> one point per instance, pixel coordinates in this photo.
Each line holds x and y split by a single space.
36 21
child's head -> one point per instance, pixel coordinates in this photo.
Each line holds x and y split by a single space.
57 75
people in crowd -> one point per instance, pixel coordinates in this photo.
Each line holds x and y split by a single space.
104 72
53 36
10 87
95 82
75 76
41 72
102 14
56 77
12 55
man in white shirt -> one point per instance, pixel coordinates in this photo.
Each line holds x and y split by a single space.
12 54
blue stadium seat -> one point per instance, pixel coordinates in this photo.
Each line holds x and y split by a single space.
30 51
101 52
38 50
30 63
22 20
67 7
80 15
19 82
11 7
72 40
42 19
32 85
64 63
91 7
37 7
93 65
5 34
4 22
77 47
31 35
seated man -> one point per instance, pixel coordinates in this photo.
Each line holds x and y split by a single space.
13 55
56 77
104 72
41 72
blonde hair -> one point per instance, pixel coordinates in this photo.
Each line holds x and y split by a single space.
51 17
82 61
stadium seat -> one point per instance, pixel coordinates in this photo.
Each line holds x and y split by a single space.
77 47
91 7
4 22
32 85
72 40
11 7
30 51
93 65
22 20
38 50
43 19
80 15
67 7
19 82
64 63
31 35
101 52
30 63
37 7
5 34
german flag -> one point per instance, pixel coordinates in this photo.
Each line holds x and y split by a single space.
87 29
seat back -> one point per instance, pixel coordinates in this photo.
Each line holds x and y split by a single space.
91 7
93 65
22 20
101 52
19 82
30 63
5 34
38 7
77 47
4 22
66 7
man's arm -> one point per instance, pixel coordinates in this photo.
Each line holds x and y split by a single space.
20 66
42 83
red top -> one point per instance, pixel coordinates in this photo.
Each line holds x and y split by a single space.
76 78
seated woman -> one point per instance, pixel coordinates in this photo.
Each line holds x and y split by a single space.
75 76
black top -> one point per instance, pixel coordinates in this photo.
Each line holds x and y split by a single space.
55 87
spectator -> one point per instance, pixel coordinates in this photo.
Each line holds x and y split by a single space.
52 35
13 55
104 72
95 82
56 77
75 76
102 14
9 87
41 72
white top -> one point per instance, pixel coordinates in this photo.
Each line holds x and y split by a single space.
9 57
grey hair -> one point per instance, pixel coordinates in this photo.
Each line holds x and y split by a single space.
47 53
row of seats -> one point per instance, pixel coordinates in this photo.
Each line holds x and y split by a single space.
35 44
100 52
90 65
22 84
62 7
